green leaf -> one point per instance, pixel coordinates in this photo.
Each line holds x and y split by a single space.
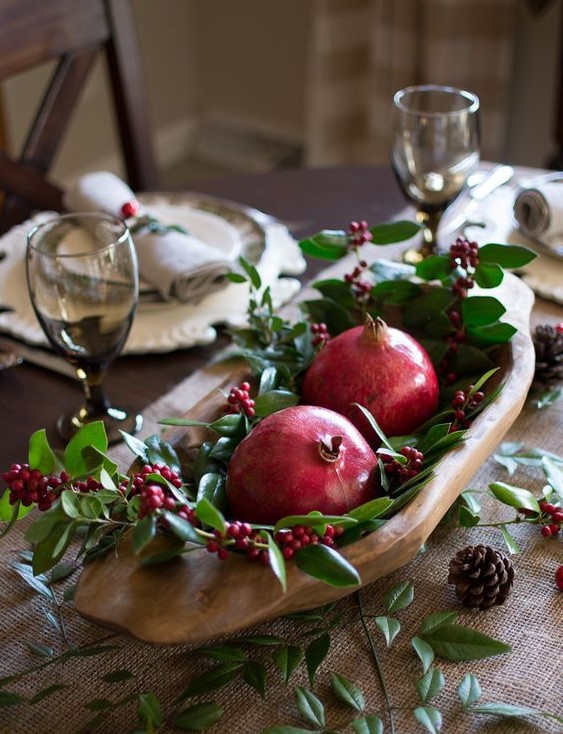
348 692
98 704
46 692
210 486
436 619
181 528
136 446
396 291
374 424
425 307
223 449
90 651
91 435
211 680
389 626
469 690
10 699
429 717
286 729
424 652
288 658
325 245
326 564
41 650
484 336
310 707
514 496
336 290
254 673
11 513
399 597
160 451
40 455
312 520
149 709
511 710
488 275
50 550
274 400
430 684
367 725
507 256
118 676
252 273
315 653
456 642
549 398
391 232
554 475
481 310
262 640
435 267
511 543
199 717
324 310
209 515
277 562
143 532
62 571
467 518
371 509
235 277
225 653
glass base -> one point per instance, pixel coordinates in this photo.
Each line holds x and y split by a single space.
114 419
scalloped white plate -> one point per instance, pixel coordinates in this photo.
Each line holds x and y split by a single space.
164 327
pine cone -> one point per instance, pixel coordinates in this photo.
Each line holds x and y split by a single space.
548 343
482 576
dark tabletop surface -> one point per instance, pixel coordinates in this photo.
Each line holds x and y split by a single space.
306 200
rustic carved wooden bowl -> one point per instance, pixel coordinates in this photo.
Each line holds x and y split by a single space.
196 597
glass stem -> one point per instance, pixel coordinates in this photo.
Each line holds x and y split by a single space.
96 403
429 222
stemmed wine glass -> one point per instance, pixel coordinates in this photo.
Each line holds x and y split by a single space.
435 147
83 282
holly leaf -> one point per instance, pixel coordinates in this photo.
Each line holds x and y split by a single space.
326 245
143 532
277 562
40 455
435 267
488 275
514 496
481 310
90 436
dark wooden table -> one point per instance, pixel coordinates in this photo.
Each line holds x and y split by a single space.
307 200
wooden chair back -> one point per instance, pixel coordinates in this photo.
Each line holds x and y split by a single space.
72 32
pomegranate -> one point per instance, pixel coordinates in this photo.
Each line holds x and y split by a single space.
383 369
297 460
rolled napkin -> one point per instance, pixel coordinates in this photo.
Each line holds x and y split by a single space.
539 211
180 266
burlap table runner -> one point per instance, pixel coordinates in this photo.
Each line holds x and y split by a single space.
531 621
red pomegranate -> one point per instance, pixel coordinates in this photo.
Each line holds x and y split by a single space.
297 460
383 369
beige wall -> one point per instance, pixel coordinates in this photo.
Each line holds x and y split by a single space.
243 63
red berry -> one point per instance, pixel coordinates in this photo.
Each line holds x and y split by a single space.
130 208
559 578
546 531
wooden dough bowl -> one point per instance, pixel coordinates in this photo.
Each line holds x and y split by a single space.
197 597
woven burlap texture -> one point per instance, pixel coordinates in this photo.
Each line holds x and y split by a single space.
530 621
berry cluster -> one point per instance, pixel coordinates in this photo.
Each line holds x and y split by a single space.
157 496
551 519
358 233
320 334
361 289
394 468
462 403
239 536
30 486
239 401
453 342
464 255
292 539
136 483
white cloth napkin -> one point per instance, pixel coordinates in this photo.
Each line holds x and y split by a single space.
180 266
539 211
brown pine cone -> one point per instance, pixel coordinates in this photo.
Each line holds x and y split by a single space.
548 343
482 576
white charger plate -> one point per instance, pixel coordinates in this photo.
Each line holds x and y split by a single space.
165 327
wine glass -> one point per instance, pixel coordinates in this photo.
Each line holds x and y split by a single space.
83 282
435 147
